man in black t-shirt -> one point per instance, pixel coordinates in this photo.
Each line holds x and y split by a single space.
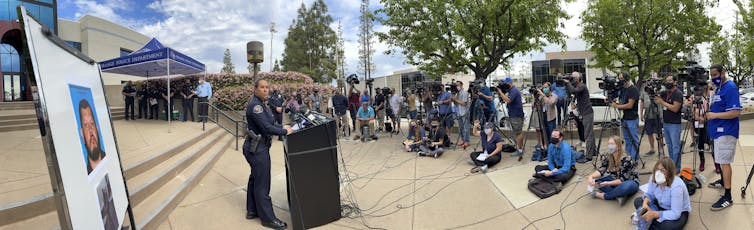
436 141
671 101
379 109
629 104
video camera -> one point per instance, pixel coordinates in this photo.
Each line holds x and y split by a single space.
653 87
475 87
559 81
451 86
503 87
695 77
352 79
386 91
534 88
611 85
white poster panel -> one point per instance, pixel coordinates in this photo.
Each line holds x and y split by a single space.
71 90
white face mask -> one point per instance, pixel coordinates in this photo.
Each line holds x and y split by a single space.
659 177
487 131
611 148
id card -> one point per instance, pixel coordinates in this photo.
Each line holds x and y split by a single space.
720 129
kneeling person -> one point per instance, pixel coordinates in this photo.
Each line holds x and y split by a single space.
560 160
437 138
618 177
414 138
492 145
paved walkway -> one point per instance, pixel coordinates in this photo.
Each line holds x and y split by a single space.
397 190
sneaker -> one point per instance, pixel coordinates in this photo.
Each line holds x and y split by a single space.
718 184
721 204
517 153
420 153
594 194
436 154
649 153
483 168
621 201
374 137
583 144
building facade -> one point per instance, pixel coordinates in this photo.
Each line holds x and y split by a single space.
566 63
14 81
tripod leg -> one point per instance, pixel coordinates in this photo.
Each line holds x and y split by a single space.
748 180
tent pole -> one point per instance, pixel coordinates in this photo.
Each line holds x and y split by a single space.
170 112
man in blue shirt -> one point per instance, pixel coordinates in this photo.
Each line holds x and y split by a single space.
365 116
444 110
515 113
204 93
723 124
489 103
560 161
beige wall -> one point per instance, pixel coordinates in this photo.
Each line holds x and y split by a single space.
102 40
591 73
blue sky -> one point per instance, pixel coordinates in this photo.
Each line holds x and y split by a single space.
204 28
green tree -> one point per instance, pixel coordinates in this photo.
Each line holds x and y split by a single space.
643 35
250 68
276 67
366 40
310 45
735 51
227 63
456 36
340 53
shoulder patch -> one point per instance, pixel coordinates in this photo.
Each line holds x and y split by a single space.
258 109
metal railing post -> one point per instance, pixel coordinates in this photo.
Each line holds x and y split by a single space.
236 135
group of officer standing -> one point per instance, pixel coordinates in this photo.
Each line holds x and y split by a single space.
151 94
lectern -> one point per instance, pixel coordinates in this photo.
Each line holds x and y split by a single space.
312 171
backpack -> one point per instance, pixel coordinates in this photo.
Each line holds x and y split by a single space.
509 148
538 154
689 180
543 188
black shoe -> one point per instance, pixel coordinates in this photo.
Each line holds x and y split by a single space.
275 224
251 215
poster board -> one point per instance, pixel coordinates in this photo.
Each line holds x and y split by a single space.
76 127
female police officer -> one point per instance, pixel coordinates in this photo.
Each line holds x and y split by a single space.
256 149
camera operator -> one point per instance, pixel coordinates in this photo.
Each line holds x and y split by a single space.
560 91
699 108
629 104
671 100
461 100
353 105
548 100
584 109
427 103
723 123
436 139
444 110
515 112
489 103
650 114
379 108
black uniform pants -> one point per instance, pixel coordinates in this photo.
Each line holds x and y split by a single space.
129 107
168 111
562 178
188 108
143 109
154 112
258 188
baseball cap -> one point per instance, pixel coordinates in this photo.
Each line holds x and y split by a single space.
507 80
489 125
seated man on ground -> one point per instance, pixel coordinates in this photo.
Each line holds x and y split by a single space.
492 146
560 161
414 138
666 200
617 178
436 140
365 116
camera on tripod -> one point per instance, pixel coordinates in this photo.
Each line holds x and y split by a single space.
475 87
695 77
503 87
611 85
451 86
559 81
386 91
534 90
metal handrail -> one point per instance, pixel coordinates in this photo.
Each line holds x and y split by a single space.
228 107
211 109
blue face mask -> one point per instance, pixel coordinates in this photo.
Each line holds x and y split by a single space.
717 81
546 90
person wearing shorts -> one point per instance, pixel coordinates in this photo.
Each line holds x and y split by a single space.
723 126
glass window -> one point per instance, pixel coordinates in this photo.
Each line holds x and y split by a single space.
76 45
46 17
46 1
125 52
9 59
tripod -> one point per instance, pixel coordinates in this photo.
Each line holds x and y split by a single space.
659 132
535 109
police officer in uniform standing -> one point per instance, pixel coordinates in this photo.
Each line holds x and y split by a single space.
256 149
129 92
143 95
276 106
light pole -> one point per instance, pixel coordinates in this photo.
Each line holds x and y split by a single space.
272 34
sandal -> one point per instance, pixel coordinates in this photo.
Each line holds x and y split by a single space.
475 169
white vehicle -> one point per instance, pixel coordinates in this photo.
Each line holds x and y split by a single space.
747 100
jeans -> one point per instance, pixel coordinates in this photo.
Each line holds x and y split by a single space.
489 161
666 224
562 111
673 140
625 189
630 129
412 114
463 127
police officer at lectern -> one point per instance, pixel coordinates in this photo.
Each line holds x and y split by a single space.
256 149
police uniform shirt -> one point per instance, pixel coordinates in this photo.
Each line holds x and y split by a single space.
261 120
186 90
128 90
143 93
275 101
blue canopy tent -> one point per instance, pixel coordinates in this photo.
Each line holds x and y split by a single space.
154 60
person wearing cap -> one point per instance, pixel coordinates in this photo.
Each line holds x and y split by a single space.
492 145
365 117
437 139
560 161
512 99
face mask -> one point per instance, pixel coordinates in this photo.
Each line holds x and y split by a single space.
668 85
434 126
546 90
554 140
487 131
659 177
717 81
611 148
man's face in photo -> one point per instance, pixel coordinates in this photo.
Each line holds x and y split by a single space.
89 132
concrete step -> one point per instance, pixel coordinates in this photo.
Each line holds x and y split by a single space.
150 181
10 128
158 206
23 121
21 105
35 200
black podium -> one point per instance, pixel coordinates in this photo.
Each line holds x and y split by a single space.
312 172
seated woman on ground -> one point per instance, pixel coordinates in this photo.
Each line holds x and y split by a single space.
666 200
617 178
414 138
492 145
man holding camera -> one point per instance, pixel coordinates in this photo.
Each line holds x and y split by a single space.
671 101
650 114
379 108
723 125
444 110
461 100
515 107
629 104
489 103
584 108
